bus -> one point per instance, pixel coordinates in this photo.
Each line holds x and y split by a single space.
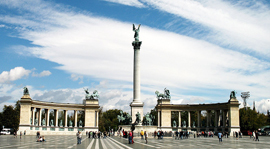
265 130
5 131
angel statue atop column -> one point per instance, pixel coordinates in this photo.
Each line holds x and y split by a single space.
136 35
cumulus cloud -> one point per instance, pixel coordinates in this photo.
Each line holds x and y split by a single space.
14 74
42 74
263 105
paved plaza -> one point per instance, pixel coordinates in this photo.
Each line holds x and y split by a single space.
122 143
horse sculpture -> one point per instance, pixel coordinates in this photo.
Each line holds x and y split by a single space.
166 94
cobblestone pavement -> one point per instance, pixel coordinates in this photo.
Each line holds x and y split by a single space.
122 143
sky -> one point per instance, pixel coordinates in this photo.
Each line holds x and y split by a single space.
200 50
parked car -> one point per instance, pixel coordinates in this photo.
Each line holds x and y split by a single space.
5 131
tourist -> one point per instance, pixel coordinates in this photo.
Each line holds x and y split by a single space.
146 136
176 135
254 135
236 135
257 136
155 134
220 136
24 132
130 137
77 134
20 135
43 139
142 133
39 139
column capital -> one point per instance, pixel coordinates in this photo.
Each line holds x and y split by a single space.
136 44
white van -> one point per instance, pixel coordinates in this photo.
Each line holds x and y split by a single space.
5 131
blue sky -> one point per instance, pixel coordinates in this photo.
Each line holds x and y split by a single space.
199 49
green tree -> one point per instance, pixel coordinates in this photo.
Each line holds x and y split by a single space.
108 119
251 120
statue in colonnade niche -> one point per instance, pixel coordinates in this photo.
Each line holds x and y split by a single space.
61 123
80 123
174 123
184 124
193 125
70 123
31 121
51 122
36 121
43 122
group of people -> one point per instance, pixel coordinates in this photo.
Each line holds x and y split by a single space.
159 134
39 137
97 134
255 135
145 135
181 135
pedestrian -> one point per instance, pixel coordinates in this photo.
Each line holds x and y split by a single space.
130 137
236 135
257 136
220 136
176 135
146 136
20 134
77 134
254 135
142 133
24 132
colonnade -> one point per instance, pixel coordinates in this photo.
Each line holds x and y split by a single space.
31 119
219 116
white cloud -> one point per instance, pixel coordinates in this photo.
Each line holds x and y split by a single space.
263 105
14 74
42 74
242 24
100 48
134 3
76 77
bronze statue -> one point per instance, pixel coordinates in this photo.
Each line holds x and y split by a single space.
136 35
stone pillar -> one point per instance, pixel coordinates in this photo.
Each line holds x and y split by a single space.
39 116
47 117
65 113
189 119
199 119
75 118
136 105
179 120
158 118
207 118
33 116
56 117
216 118
223 118
97 117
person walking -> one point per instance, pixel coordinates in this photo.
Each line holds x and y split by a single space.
220 136
254 135
146 136
142 133
77 135
257 136
130 137
20 135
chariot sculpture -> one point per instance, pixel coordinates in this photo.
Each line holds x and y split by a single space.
166 94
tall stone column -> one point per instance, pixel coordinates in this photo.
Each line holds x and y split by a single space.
189 119
33 116
97 118
56 117
47 117
199 119
75 118
65 113
136 105
39 116
179 120
158 118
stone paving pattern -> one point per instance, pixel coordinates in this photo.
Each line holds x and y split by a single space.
122 143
